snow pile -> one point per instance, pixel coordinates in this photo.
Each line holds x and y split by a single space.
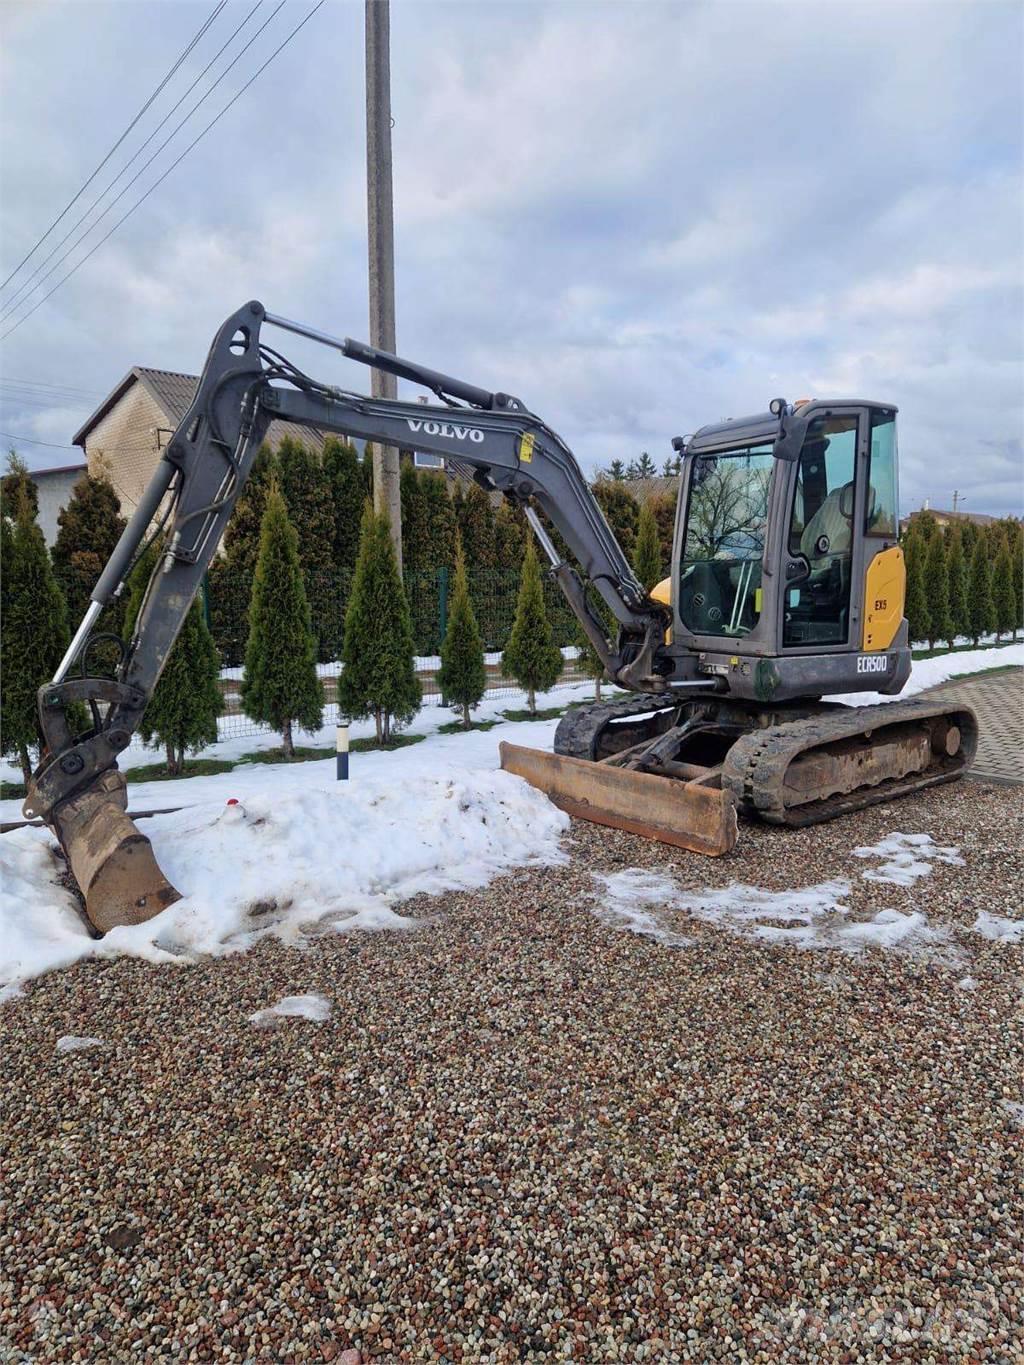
290 860
316 1008
907 857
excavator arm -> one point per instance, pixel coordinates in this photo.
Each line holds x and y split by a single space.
245 385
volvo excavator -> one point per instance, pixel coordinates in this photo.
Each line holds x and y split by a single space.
786 587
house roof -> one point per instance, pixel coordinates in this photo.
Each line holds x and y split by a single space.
173 392
58 469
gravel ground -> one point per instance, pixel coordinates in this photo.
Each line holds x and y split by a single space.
523 1134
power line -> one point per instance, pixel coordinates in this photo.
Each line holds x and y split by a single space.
31 385
28 440
30 285
85 185
156 184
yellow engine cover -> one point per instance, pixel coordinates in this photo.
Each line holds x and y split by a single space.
885 591
662 592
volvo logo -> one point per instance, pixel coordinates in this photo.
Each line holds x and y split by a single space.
449 429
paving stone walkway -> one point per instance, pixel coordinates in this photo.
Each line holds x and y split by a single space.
998 700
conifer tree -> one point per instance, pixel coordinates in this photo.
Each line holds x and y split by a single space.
969 535
1015 542
35 625
1004 600
531 655
590 662
379 678
616 470
621 512
664 509
979 601
182 712
440 520
280 686
936 589
462 676
17 483
916 606
647 555
959 622
307 494
231 573
645 468
344 479
88 529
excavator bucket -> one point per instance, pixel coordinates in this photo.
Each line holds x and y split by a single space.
690 815
112 862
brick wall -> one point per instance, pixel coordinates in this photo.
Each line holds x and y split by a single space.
127 438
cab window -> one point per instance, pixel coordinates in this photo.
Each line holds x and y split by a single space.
881 510
817 607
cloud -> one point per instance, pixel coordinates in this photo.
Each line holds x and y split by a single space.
637 218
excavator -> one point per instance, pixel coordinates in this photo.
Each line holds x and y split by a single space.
786 587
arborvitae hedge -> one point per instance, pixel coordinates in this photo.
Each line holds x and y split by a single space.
88 529
308 496
531 655
379 677
1004 602
936 589
35 631
956 574
981 611
647 555
916 607
182 712
462 676
621 512
280 686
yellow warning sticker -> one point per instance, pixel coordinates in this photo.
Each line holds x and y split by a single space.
526 447
757 600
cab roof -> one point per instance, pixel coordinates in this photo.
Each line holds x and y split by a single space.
763 427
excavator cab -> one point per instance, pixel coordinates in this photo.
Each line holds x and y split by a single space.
777 537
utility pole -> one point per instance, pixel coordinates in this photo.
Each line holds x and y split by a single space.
957 499
381 234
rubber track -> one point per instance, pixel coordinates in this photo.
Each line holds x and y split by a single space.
755 767
580 729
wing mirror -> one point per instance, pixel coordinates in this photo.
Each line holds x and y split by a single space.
846 501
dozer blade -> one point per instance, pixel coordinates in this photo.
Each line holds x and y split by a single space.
112 862
687 814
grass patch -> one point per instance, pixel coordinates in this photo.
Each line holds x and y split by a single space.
959 649
985 672
368 746
192 767
11 791
301 755
456 727
552 713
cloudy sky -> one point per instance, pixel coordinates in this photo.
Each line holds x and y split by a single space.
638 217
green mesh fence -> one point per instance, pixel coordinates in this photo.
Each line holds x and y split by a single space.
494 602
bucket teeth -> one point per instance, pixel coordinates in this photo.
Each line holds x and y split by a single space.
112 862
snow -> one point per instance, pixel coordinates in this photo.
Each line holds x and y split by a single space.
316 1008
625 896
1015 1112
998 928
907 858
301 854
809 917
71 1042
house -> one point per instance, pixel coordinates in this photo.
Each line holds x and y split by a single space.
136 420
53 488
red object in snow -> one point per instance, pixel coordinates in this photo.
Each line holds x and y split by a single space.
232 800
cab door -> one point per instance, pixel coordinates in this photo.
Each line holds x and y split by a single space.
823 551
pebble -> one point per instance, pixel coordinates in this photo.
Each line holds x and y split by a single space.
524 1134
